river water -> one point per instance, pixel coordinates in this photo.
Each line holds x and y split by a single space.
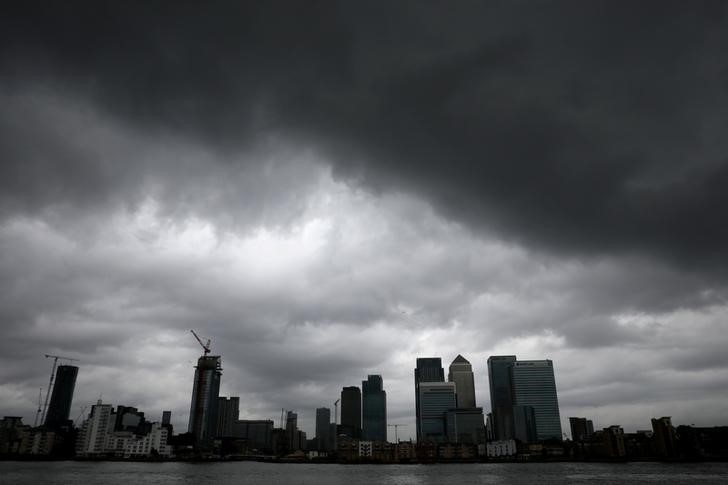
129 473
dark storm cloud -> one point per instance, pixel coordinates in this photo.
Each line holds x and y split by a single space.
589 127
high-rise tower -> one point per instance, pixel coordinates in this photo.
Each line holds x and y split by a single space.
534 385
351 411
523 399
323 428
62 396
374 409
436 399
429 369
205 391
461 373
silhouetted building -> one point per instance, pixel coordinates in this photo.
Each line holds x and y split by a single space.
128 418
62 397
461 373
429 369
524 424
257 433
323 427
435 399
228 412
291 430
465 425
501 396
581 428
374 409
205 391
351 411
534 385
664 438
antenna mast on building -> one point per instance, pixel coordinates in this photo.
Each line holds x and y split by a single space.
205 346
50 384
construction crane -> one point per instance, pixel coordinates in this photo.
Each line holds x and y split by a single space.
50 383
81 414
40 409
205 346
395 426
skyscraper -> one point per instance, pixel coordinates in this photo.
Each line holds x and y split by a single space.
323 422
374 409
62 396
435 399
205 391
501 398
291 430
429 369
534 385
523 398
461 373
351 411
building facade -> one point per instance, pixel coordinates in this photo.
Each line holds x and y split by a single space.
351 411
428 369
374 409
205 391
435 399
323 427
93 434
228 412
501 396
258 433
534 385
524 400
461 373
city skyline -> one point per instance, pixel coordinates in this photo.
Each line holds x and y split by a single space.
331 191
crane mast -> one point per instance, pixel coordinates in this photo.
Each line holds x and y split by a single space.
205 346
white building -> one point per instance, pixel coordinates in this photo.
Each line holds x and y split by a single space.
97 437
503 448
92 438
365 449
154 442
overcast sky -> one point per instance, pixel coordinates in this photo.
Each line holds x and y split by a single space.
332 189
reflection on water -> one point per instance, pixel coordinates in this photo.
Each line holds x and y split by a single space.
267 473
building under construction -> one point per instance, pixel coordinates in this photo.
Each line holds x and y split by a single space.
205 393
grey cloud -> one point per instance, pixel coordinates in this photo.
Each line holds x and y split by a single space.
583 128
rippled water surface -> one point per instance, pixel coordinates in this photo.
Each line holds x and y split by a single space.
270 473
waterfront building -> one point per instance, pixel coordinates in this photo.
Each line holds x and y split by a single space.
61 397
291 430
374 409
501 400
461 373
465 425
205 391
323 426
128 418
257 432
92 436
228 412
581 428
351 411
435 399
428 369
